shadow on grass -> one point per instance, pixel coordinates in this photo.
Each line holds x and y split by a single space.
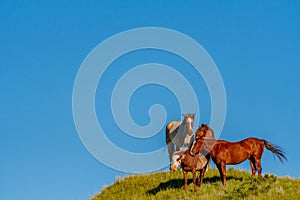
179 183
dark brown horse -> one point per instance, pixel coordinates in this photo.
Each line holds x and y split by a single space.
190 164
224 152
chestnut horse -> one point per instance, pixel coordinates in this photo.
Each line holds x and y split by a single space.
179 134
224 152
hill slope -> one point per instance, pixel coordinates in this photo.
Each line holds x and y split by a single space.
169 185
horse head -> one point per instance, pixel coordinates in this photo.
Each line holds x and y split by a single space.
189 121
204 131
176 159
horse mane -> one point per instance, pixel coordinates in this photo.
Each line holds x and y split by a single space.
205 126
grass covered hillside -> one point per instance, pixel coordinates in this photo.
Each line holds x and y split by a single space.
169 185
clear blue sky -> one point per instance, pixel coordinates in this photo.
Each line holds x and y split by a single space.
42 45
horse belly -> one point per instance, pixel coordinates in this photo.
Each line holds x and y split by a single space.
229 156
237 157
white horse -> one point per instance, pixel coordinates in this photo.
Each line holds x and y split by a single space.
179 134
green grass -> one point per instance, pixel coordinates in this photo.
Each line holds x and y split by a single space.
169 185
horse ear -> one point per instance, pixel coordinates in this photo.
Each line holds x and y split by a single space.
193 114
184 115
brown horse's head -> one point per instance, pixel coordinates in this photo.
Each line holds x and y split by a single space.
176 159
202 131
196 146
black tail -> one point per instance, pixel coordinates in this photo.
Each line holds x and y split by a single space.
277 150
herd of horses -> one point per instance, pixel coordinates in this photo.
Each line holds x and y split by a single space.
202 148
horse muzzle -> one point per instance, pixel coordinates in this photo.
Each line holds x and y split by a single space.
174 167
192 153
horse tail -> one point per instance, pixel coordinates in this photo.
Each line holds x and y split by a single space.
169 142
277 150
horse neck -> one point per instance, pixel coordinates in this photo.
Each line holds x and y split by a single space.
186 133
210 134
209 146
185 130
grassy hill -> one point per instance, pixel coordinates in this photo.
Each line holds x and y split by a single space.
169 185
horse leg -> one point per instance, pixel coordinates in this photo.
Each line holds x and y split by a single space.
252 165
222 171
259 168
207 165
185 180
170 151
194 180
202 172
200 179
223 166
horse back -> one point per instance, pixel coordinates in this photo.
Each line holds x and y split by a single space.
255 145
171 126
250 142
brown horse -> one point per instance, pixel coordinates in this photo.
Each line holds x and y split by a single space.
224 152
190 164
